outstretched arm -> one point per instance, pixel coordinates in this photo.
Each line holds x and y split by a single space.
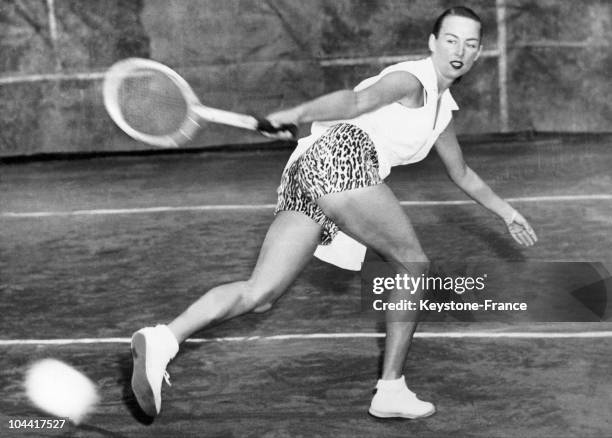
467 180
347 104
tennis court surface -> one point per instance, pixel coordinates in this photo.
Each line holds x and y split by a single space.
92 249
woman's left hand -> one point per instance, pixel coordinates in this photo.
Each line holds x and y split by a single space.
520 230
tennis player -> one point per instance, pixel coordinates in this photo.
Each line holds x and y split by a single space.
332 201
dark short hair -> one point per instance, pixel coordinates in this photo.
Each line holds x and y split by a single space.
460 11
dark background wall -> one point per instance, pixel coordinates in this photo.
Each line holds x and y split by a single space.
259 55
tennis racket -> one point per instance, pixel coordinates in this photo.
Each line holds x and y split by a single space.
153 104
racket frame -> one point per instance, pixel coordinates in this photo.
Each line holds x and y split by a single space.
196 112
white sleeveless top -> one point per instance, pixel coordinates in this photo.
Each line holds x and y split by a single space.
401 135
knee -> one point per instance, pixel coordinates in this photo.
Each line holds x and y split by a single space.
258 299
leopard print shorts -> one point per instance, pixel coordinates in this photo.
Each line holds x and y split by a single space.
344 158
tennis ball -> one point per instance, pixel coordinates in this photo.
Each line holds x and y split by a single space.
60 390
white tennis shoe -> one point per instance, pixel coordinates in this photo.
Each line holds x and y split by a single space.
393 399
152 349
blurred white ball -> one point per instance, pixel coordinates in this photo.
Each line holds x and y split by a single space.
60 390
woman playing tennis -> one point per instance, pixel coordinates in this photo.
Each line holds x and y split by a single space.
333 202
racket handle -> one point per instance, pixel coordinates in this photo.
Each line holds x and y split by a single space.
264 125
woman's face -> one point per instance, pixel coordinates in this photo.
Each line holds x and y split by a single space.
457 46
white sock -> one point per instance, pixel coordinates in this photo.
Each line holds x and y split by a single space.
391 385
168 338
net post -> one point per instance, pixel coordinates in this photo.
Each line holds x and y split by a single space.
502 63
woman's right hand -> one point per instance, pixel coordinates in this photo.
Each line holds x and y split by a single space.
280 118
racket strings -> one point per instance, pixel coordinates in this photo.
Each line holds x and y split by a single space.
152 103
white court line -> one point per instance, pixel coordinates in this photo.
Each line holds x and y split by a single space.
425 335
228 207
144 210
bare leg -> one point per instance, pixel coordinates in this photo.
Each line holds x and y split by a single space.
287 248
374 216
400 333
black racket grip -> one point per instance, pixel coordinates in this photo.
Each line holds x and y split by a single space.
264 125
